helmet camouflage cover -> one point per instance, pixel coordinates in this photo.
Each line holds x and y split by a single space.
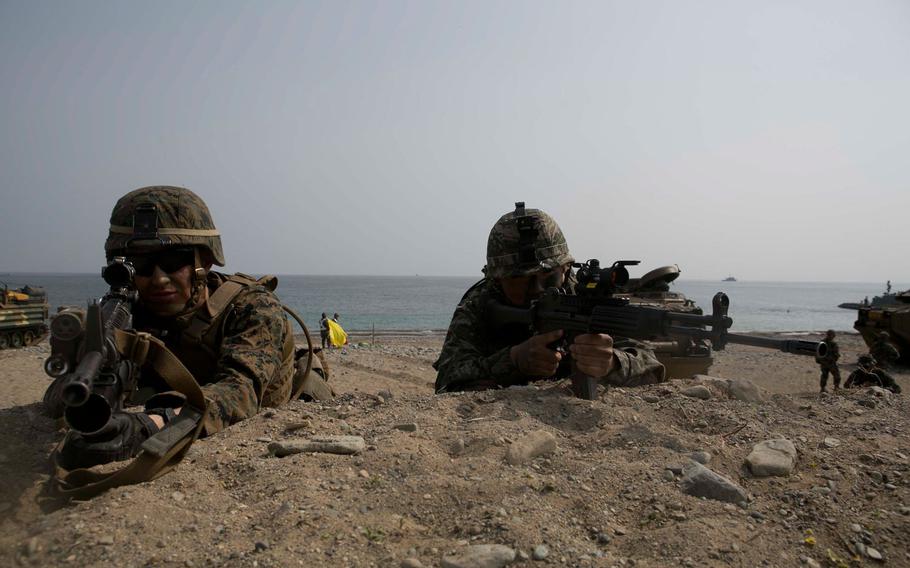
155 217
523 242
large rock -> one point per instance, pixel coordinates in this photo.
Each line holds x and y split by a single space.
326 444
772 457
537 443
480 556
700 481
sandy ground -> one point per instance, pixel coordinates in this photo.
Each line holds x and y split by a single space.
434 480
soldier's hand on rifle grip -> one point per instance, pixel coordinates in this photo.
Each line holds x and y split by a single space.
535 358
593 354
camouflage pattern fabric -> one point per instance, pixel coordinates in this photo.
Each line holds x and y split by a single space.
547 250
828 364
248 368
473 357
183 219
884 352
873 377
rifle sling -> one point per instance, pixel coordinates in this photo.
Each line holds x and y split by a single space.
163 451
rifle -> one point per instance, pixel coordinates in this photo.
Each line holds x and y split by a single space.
596 309
96 379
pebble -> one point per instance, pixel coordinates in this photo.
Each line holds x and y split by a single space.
344 445
698 391
406 427
831 442
411 563
537 443
890 486
106 540
701 457
540 552
873 553
678 516
480 556
856 528
457 447
260 545
668 475
650 398
178 496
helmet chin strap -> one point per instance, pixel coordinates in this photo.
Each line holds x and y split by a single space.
199 280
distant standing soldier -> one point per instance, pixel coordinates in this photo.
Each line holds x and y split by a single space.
884 352
828 363
868 375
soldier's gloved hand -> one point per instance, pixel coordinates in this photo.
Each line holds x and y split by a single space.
119 439
534 358
593 354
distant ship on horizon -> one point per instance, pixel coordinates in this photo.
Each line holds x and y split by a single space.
729 279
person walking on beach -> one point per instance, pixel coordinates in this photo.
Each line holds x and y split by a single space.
324 329
526 254
828 363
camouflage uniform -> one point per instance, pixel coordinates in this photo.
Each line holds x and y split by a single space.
232 334
884 352
475 356
248 365
828 363
867 374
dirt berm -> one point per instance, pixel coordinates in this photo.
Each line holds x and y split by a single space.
609 484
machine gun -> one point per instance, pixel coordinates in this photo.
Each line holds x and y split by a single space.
596 309
95 379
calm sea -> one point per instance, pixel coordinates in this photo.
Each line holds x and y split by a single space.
426 302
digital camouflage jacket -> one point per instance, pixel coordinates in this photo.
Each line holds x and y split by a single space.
829 361
244 361
474 356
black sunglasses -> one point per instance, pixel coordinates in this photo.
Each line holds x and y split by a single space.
168 260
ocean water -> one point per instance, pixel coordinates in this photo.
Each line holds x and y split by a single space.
427 302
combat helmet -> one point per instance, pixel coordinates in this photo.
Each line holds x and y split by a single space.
155 217
523 242
866 361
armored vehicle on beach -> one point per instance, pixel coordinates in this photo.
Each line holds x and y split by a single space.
892 316
682 357
23 316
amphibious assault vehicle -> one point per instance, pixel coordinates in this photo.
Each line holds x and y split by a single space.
682 357
892 316
23 316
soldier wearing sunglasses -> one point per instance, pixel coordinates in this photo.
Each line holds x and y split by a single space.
230 332
526 254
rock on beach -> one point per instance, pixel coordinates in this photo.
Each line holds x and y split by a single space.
700 481
537 443
480 556
345 445
772 457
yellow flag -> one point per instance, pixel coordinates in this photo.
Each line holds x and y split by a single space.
337 335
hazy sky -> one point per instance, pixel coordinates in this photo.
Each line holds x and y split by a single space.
769 140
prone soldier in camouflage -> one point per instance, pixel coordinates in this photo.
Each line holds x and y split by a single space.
883 351
867 374
526 254
828 363
241 352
